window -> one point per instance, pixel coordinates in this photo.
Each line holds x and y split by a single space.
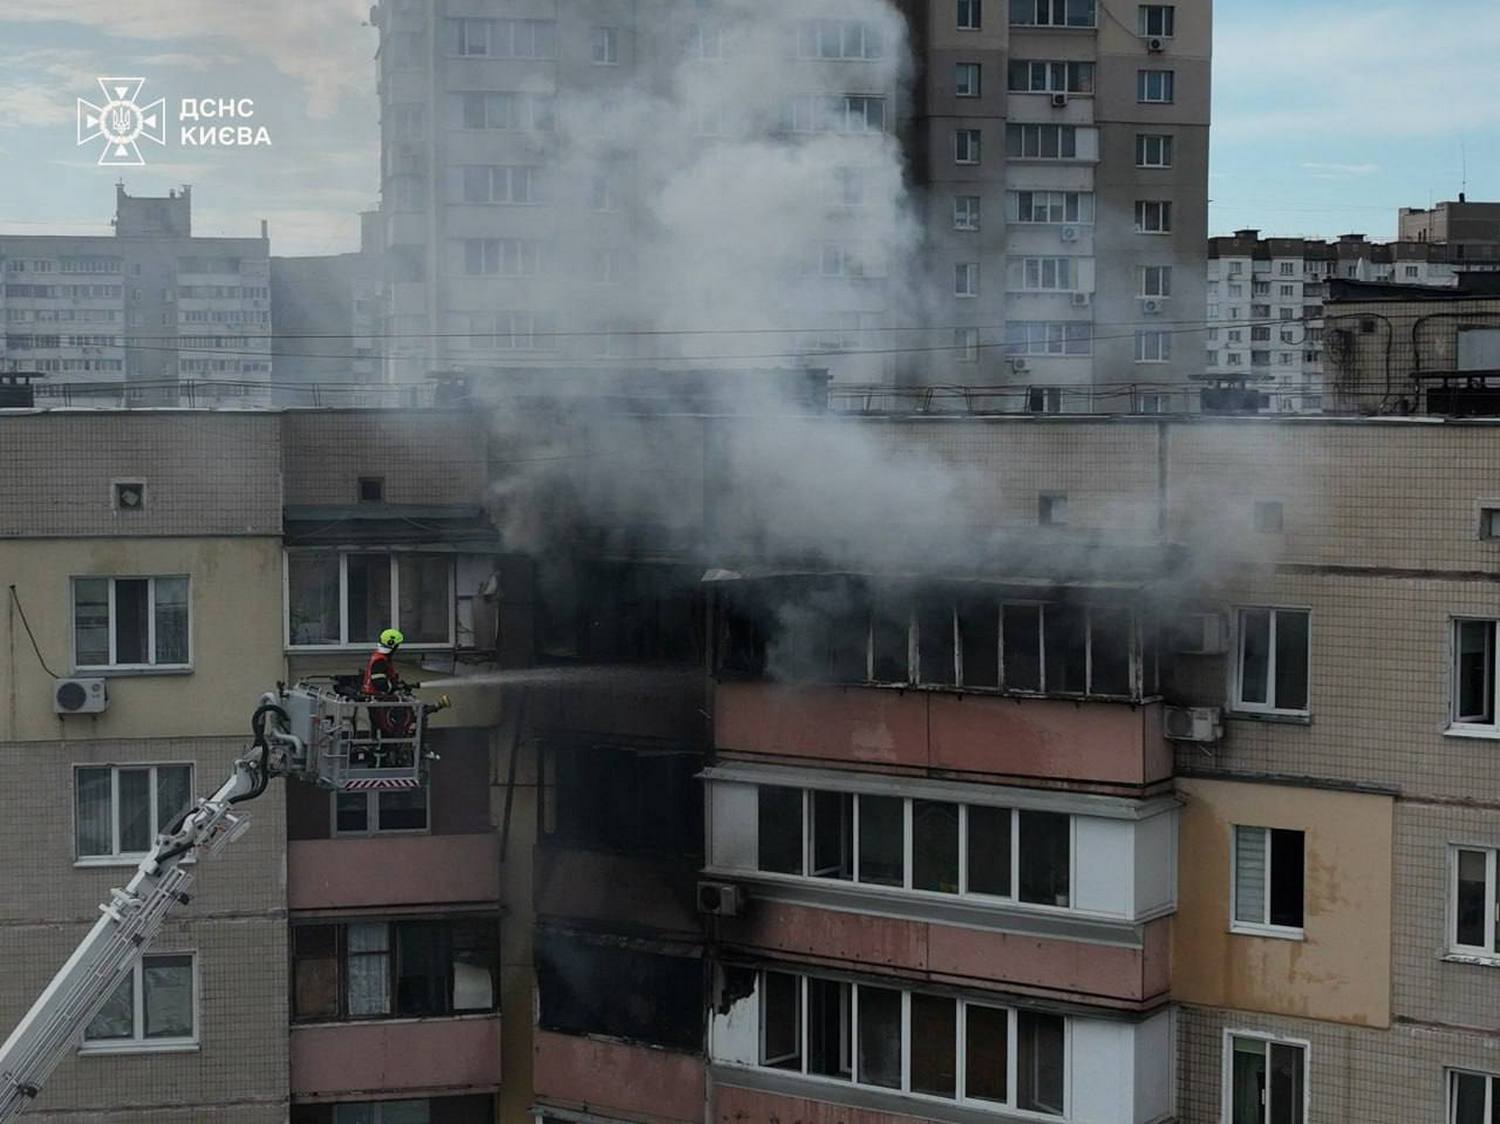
394 969
1273 661
1154 86
1051 206
970 15
503 39
966 146
1473 1098
1474 674
154 1008
1044 274
118 810
851 113
1049 337
504 110
966 212
966 80
1044 399
1153 347
1288 290
515 184
131 623
1157 21
839 39
966 345
1052 508
389 1112
1489 523
371 489
1153 150
1052 13
1156 281
502 257
1267 879
606 46
966 279
335 599
1041 142
1473 894
128 495
370 813
1287 268
1265 1081
1153 216
912 1041
1023 856
1027 76
1413 271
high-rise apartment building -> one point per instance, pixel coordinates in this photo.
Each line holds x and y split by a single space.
150 316
549 188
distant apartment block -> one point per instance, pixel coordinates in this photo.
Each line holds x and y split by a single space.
150 316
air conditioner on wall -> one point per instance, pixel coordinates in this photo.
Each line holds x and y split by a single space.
1059 101
1018 365
720 899
1068 234
1192 723
79 696
1082 300
1156 44
1151 306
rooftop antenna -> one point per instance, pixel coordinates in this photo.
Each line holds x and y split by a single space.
1463 175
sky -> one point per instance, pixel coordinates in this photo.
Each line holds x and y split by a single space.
1327 117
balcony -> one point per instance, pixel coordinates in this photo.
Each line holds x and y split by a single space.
614 1078
394 870
399 1057
1112 744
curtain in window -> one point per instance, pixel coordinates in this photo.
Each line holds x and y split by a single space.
135 811
171 620
168 996
1250 874
879 1037
92 819
91 621
474 949
369 597
116 1019
425 605
313 598
1039 1062
369 974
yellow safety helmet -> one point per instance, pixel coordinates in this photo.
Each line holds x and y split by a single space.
392 637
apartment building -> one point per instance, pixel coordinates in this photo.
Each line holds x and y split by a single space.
1057 150
149 316
345 962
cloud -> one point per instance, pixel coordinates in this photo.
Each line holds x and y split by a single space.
317 42
1323 171
23 106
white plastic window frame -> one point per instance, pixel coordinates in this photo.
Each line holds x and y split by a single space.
1263 928
1237 664
138 1044
1456 725
113 667
117 857
372 816
345 644
1226 1083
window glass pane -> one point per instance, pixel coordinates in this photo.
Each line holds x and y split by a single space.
1065 648
1476 671
780 824
351 811
1250 874
934 846
1291 660
882 839
1470 907
174 792
934 1045
1109 651
1248 1091
369 597
1286 1084
354 1113
132 620
403 810
1023 661
93 817
1255 654
935 641
422 958
781 1022
313 598
1039 1062
168 982
989 851
1046 851
979 636
405 1112
879 1037
425 603
369 970
135 810
91 621
1468 1098
171 620
116 1019
315 972
475 944
828 1027
986 1053
833 834
889 638
1286 878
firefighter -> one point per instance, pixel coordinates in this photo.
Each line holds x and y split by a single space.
383 682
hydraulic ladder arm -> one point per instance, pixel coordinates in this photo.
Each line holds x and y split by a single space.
134 916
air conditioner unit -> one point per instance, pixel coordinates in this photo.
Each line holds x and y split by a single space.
1068 234
1019 365
1193 723
1151 306
79 696
721 899
1200 634
1059 101
1082 300
1156 44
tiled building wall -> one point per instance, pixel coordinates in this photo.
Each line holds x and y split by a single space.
60 468
425 457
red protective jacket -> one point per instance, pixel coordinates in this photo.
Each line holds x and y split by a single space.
380 675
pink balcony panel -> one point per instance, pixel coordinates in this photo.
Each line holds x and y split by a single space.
746 1106
1111 975
392 870
1110 743
656 1086
394 1057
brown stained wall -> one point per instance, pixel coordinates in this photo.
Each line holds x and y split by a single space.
1341 971
636 1082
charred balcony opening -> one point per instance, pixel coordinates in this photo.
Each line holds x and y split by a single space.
621 799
